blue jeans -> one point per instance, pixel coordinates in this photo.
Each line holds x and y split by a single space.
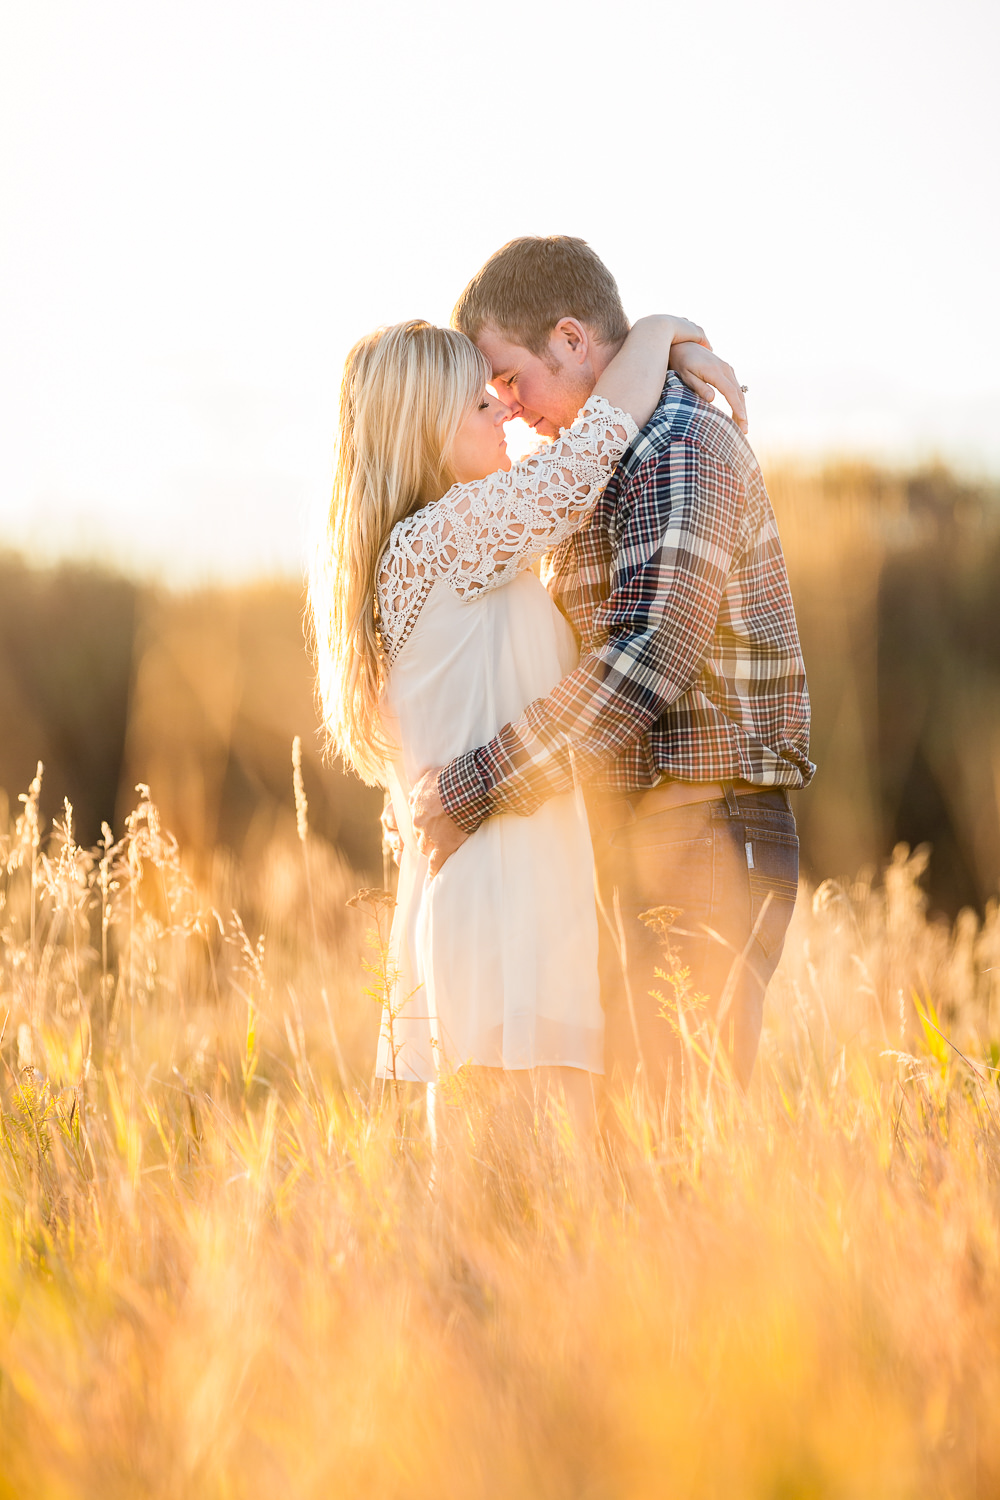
727 873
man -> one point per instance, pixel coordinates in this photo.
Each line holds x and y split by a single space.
687 719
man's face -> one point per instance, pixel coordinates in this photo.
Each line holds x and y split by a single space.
544 391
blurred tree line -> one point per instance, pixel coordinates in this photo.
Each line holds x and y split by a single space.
896 580
199 695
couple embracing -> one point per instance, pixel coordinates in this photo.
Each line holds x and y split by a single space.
567 750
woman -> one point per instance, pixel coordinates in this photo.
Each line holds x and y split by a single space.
432 632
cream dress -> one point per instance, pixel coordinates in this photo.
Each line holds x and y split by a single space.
494 961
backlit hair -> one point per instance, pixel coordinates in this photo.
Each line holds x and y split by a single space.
405 393
527 286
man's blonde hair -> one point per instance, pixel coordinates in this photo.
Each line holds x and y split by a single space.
405 393
528 285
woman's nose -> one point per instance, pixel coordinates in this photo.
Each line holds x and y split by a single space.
503 412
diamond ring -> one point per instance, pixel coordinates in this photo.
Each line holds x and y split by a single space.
744 389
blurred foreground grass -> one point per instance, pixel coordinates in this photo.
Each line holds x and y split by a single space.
223 1274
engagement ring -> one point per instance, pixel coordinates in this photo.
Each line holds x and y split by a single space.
744 389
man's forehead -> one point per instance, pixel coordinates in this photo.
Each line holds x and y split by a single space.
502 354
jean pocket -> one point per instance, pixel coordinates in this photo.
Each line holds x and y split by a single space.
773 867
676 828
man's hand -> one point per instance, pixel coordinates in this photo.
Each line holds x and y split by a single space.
705 373
437 835
391 836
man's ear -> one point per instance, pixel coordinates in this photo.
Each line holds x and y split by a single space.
570 341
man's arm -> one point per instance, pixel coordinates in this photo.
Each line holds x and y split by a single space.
660 619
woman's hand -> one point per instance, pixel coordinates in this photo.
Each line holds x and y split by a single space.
705 373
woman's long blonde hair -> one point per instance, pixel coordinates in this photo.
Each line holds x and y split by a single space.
405 393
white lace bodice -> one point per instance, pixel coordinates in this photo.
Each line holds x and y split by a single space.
480 535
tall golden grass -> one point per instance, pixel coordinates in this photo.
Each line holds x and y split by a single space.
225 1272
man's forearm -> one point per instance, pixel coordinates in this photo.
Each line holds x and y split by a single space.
607 703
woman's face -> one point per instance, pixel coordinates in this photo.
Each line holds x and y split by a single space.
480 446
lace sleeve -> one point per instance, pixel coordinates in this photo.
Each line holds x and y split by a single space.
479 535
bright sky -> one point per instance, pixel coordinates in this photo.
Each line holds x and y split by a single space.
204 202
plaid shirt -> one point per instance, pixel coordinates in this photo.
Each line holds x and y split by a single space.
691 666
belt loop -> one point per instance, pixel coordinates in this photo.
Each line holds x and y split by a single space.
731 803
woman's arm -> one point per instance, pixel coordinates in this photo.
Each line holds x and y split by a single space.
634 379
480 534
486 530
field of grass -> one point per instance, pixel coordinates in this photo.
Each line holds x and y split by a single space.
230 1267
